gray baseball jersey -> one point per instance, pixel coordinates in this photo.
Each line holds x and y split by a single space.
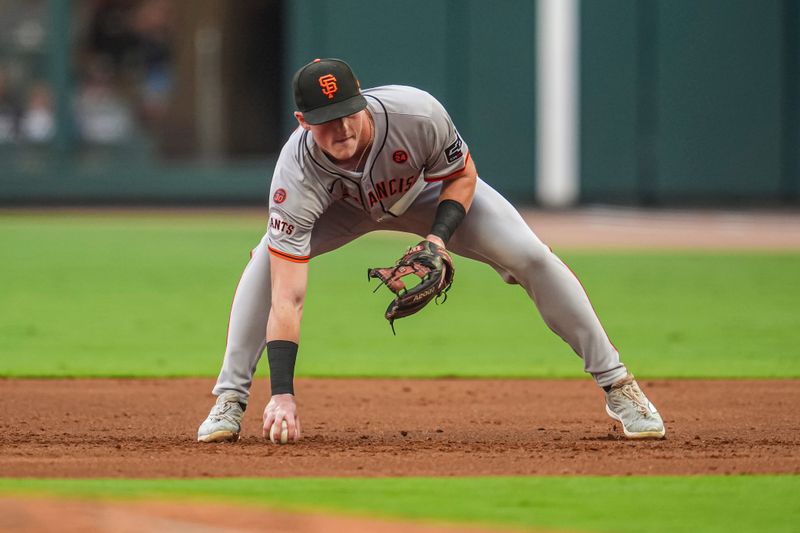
415 144
316 207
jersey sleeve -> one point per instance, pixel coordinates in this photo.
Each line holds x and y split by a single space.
294 208
449 153
288 236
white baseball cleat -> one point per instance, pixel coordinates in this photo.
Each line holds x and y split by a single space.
626 402
224 422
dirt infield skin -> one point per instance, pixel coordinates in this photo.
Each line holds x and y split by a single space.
29 515
146 429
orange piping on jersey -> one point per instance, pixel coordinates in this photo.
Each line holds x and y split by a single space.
448 176
289 257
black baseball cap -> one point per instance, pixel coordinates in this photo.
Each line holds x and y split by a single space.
327 89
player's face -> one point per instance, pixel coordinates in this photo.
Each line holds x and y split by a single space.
342 139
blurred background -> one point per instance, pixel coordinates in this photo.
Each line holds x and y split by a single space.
674 102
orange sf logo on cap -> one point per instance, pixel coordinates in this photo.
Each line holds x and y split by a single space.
328 84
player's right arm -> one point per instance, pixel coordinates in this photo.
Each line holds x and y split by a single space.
289 282
296 202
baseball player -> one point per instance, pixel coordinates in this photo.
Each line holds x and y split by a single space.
390 158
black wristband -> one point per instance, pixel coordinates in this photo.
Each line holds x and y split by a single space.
282 356
449 215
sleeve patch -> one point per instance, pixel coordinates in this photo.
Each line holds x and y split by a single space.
454 151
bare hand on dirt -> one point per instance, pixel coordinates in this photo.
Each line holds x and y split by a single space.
280 408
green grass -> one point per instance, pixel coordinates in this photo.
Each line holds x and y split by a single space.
149 295
613 504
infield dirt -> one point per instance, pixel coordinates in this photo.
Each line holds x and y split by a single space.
146 428
35 515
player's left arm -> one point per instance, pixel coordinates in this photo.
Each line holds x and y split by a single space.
455 200
429 259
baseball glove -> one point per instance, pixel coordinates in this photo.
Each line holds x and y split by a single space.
428 261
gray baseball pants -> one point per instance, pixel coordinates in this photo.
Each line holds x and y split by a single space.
493 232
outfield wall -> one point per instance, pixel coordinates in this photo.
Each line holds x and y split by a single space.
682 101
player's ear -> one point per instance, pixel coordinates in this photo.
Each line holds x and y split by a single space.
300 120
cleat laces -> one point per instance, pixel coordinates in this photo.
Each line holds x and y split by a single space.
220 412
636 396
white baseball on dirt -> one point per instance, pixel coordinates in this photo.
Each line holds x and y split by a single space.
284 433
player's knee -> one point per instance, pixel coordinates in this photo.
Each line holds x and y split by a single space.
508 278
525 261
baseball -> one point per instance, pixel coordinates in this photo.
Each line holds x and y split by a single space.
284 433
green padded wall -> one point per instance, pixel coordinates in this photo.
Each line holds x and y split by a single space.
608 165
689 101
682 101
719 104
